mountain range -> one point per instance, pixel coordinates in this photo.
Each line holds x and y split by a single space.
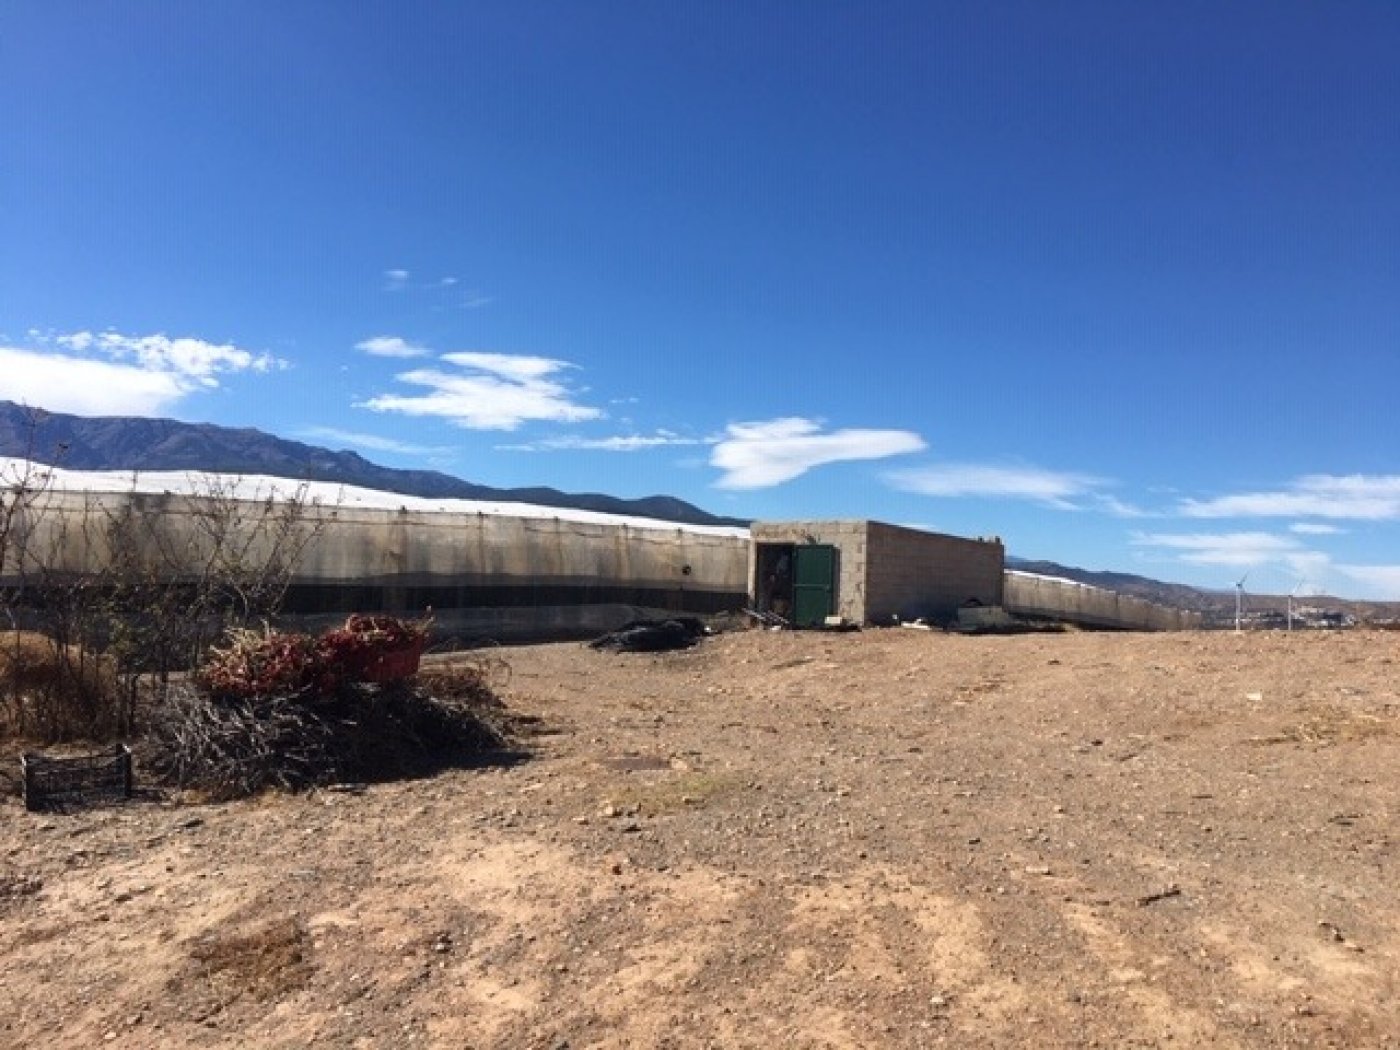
139 443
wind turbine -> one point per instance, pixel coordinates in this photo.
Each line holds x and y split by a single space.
1239 600
1291 595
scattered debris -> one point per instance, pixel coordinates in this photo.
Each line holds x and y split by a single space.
653 636
1161 895
15 886
768 619
636 763
1332 930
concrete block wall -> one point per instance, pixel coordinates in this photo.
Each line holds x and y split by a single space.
1045 597
911 573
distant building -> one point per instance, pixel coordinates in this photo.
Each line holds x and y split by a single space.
868 572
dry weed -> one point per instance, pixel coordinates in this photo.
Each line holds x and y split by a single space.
673 793
52 691
1332 724
265 964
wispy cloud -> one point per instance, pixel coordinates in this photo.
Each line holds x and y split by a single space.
475 300
374 442
618 443
108 373
1119 508
391 346
762 454
489 391
1283 558
1239 549
1377 581
1315 528
1359 497
1059 489
443 293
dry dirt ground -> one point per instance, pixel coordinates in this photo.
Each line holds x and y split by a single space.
893 838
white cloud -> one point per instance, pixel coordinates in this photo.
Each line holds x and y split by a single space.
193 359
517 367
108 373
391 346
490 392
1379 582
395 280
619 443
1315 528
1362 497
1284 558
356 439
1057 489
1308 566
761 454
85 387
1240 549
79 342
1118 508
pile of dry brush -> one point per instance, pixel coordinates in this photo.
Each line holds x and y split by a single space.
280 710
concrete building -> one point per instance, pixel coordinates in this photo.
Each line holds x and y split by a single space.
868 572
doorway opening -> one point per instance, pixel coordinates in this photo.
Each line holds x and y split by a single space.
797 581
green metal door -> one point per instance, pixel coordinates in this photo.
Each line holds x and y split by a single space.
814 584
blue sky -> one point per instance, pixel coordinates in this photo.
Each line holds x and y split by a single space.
1116 282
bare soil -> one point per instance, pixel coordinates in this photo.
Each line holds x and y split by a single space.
886 839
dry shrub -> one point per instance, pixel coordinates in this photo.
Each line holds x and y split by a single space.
51 692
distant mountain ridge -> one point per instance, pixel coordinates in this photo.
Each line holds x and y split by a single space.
139 443
1175 595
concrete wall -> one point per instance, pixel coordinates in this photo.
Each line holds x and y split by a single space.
483 574
885 570
1045 597
913 574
